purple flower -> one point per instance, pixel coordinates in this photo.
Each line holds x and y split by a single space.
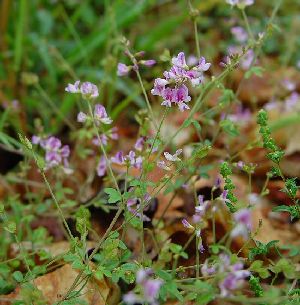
240 164
51 144
101 115
52 158
291 101
192 60
233 281
247 59
235 275
55 153
289 85
163 165
181 96
131 298
101 167
89 90
35 139
118 158
243 216
102 139
239 33
179 61
113 133
148 62
149 289
123 70
206 270
203 65
159 86
186 224
133 207
139 144
81 117
73 88
173 87
244 224
218 182
241 116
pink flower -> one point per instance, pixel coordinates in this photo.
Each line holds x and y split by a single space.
179 61
101 115
149 289
101 167
118 158
239 34
243 223
73 88
35 139
163 165
148 62
203 65
288 85
55 153
81 117
139 144
186 224
123 70
173 87
159 86
89 90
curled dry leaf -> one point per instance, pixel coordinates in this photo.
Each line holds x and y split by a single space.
273 230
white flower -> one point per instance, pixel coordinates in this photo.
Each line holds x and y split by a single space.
174 157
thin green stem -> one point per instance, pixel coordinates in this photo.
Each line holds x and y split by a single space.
146 98
53 197
247 24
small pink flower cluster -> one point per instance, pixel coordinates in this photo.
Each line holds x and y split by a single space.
172 88
134 206
243 223
87 89
149 289
100 116
56 154
235 274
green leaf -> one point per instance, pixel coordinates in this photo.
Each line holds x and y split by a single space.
10 226
113 195
18 276
229 127
258 71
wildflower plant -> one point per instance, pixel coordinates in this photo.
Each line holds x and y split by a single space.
134 183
